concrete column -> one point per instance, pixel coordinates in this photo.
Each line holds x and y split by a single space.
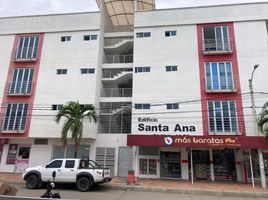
184 164
239 165
211 165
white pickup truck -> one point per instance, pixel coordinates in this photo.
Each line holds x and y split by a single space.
83 172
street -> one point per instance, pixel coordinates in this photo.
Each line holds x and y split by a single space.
103 193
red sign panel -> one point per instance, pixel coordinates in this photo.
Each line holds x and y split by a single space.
211 141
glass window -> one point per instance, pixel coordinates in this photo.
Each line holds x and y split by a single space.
219 76
143 34
90 37
21 81
68 152
55 164
57 106
142 69
87 70
27 47
61 71
171 106
65 38
171 68
149 151
222 116
105 157
69 163
170 33
15 117
142 106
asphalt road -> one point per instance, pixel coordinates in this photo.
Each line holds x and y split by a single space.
103 193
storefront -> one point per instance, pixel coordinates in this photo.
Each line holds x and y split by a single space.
219 158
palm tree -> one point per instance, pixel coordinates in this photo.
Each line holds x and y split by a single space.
75 115
263 121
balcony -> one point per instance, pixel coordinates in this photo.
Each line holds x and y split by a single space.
111 59
24 54
221 84
116 92
217 46
20 88
118 45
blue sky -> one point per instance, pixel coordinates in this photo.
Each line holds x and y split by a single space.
34 7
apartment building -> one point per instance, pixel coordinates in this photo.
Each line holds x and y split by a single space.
170 87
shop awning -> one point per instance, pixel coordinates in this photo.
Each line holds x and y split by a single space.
121 12
211 141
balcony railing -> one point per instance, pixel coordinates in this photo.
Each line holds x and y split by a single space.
25 54
112 108
223 124
217 46
116 92
111 73
13 124
20 88
119 28
221 83
119 58
113 41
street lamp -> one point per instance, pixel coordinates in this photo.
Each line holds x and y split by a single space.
262 172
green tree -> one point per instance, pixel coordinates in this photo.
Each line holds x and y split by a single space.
262 121
75 114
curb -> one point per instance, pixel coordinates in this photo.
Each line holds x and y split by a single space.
226 193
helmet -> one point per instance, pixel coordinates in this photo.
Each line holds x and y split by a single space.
52 185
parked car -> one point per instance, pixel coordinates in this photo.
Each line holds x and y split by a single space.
83 172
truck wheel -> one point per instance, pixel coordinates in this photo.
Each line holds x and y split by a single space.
83 184
32 181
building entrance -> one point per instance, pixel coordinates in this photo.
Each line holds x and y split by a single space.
201 167
170 164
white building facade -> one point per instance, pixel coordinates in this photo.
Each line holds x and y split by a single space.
169 86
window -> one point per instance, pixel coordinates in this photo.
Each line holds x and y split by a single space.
69 163
219 76
143 34
41 141
90 37
142 106
105 157
170 33
65 38
171 106
171 68
216 38
28 47
21 81
87 70
15 117
57 106
55 164
222 116
68 152
61 71
142 69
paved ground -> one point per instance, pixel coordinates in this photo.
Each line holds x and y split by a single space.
179 187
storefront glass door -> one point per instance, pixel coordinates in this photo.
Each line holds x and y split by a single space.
201 167
170 164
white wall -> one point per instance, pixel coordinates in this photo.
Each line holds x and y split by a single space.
252 48
60 89
5 52
159 87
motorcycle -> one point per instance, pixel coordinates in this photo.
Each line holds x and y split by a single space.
50 186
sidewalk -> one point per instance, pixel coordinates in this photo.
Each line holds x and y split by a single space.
173 186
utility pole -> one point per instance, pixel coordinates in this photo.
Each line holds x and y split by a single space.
261 163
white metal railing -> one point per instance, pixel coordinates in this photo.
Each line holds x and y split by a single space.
218 45
221 83
115 107
113 41
29 53
116 92
119 58
119 28
20 87
111 73
223 124
13 124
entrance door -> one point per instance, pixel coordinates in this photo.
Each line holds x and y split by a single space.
22 159
125 161
201 164
224 164
170 164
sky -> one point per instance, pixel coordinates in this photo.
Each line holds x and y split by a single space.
35 7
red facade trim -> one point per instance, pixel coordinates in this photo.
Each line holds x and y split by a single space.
236 96
209 141
22 99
